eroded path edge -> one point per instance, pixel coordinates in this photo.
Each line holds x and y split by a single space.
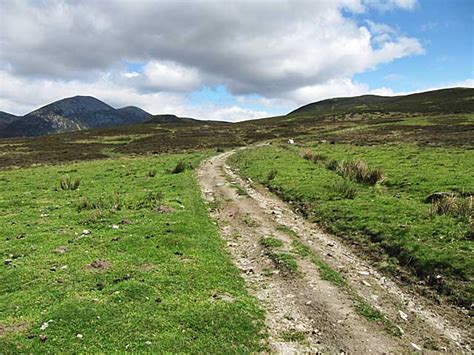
305 310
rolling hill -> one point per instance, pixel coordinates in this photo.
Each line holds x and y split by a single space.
454 100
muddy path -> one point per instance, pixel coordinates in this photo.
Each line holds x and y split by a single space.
304 311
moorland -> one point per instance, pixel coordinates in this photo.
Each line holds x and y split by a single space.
107 242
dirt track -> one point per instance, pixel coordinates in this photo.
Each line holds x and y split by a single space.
304 303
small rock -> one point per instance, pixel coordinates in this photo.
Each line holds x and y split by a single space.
64 267
148 342
79 336
86 232
114 226
43 338
44 326
403 315
7 261
61 250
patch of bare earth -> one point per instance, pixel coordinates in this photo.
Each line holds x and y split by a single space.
13 328
99 265
322 314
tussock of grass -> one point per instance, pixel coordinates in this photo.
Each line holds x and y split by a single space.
359 171
179 168
271 175
317 157
345 189
112 202
332 164
461 207
307 154
68 183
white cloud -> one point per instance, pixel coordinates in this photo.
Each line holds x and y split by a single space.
387 5
130 75
251 47
276 54
335 88
170 76
20 96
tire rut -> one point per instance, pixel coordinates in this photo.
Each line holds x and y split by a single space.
305 313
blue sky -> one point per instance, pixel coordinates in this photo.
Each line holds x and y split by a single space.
446 30
230 60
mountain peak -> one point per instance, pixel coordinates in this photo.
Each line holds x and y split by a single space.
72 106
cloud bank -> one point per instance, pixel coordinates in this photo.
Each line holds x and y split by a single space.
154 54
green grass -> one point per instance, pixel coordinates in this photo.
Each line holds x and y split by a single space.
389 220
293 336
325 271
271 242
373 315
161 267
284 261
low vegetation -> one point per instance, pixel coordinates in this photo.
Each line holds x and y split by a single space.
179 168
391 220
284 261
67 183
102 269
271 242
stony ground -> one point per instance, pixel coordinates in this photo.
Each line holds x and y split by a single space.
286 262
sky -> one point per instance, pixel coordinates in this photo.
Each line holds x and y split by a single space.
229 60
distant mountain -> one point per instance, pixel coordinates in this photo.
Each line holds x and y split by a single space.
6 119
455 100
168 118
135 112
72 114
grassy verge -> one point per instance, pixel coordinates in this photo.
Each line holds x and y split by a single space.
126 261
390 219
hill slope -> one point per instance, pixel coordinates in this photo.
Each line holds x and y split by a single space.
455 100
72 114
6 118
